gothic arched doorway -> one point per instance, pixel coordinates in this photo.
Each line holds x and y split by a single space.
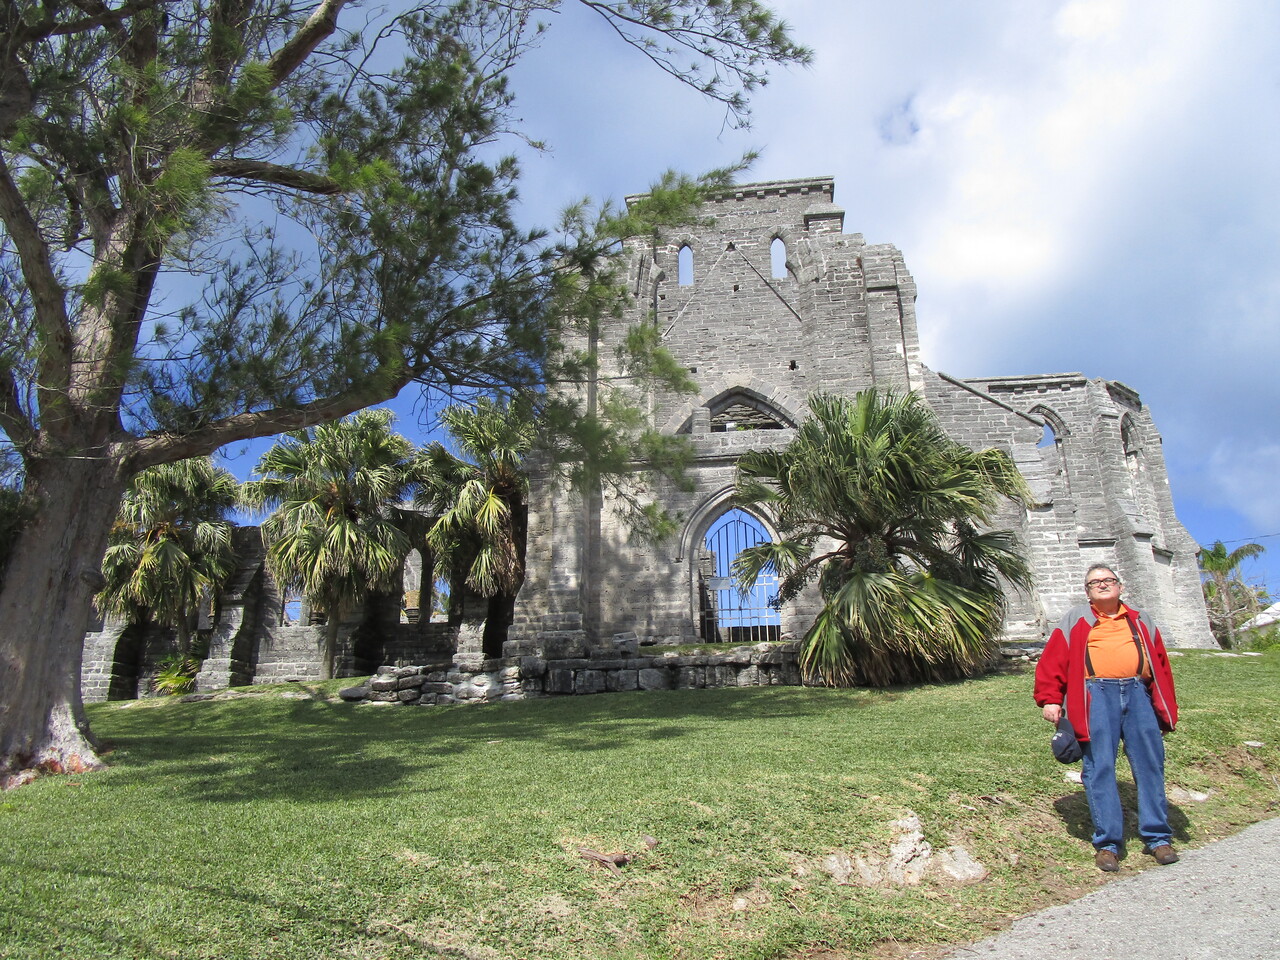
726 613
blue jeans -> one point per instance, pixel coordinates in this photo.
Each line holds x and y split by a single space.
1120 710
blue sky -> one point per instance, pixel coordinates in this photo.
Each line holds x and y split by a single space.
1076 185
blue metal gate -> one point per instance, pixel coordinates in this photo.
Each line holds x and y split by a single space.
728 614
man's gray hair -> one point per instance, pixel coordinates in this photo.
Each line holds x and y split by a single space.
1100 566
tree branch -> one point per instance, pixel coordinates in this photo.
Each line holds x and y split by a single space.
319 26
263 172
13 419
99 14
48 298
166 447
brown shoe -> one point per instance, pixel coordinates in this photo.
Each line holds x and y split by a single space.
1164 854
1107 861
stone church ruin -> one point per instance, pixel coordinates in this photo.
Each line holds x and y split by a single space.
766 302
772 302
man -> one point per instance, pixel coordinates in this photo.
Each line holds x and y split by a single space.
1108 664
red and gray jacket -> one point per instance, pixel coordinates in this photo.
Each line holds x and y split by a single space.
1060 674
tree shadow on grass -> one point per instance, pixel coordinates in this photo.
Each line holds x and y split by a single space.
304 750
311 750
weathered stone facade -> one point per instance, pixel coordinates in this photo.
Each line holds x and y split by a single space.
840 317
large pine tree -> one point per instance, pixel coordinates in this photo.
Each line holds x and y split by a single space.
315 191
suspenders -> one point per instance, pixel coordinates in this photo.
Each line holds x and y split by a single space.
1137 641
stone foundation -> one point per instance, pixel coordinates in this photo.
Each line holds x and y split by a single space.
604 670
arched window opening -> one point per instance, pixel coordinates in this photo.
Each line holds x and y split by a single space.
1053 446
778 258
412 601
1132 447
729 615
739 412
1129 437
686 266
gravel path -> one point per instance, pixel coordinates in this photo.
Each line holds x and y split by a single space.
1220 902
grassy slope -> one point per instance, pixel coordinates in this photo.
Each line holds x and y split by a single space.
273 826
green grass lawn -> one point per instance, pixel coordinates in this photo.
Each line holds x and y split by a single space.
289 826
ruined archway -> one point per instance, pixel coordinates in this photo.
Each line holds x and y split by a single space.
723 613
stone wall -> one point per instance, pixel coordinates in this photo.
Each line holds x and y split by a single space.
249 639
608 670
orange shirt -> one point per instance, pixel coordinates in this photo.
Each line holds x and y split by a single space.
1112 652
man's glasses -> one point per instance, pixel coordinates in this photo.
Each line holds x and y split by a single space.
1106 582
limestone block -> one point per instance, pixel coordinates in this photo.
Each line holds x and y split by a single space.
654 679
382 696
691 678
411 682
620 680
561 646
749 677
383 683
520 647
627 644
559 680
531 667
589 681
410 695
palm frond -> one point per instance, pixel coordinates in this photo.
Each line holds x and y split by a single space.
914 585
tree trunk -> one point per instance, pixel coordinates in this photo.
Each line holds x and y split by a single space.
45 605
1228 607
332 624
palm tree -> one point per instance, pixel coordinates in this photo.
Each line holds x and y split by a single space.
1220 571
888 513
337 531
478 497
170 545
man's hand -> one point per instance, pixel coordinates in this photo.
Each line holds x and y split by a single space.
1053 712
